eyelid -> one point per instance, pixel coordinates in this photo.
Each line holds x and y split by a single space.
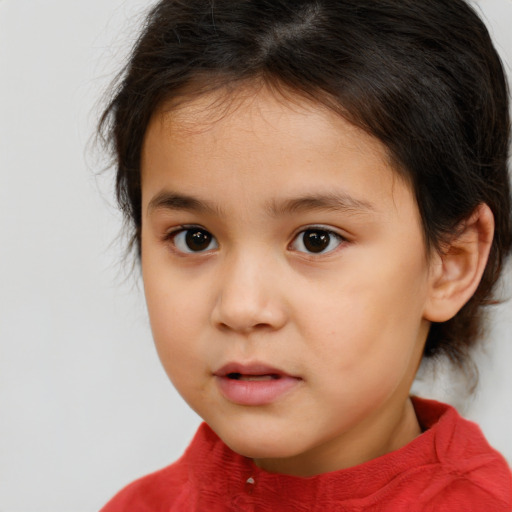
319 227
171 234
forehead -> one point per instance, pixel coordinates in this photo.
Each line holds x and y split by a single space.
252 133
254 109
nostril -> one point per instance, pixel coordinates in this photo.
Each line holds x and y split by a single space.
262 325
249 313
244 326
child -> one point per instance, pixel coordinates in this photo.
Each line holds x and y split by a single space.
319 197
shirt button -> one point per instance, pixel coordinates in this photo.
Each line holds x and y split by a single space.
249 485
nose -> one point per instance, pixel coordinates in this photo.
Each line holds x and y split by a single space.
250 297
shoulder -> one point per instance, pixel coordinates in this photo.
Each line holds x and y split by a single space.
470 474
465 493
151 493
476 480
167 488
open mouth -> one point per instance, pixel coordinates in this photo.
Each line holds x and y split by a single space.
253 378
254 384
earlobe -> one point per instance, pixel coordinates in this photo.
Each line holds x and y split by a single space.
456 272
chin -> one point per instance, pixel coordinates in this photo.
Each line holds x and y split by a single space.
257 443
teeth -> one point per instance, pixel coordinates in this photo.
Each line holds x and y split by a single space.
251 378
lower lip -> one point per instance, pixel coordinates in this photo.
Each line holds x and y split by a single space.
254 392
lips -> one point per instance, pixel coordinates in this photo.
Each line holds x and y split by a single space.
254 384
237 370
252 378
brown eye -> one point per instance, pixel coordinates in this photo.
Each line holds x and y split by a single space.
198 240
316 241
194 240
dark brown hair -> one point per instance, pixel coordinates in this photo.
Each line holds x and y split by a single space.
422 76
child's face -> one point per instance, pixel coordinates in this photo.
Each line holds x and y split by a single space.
286 280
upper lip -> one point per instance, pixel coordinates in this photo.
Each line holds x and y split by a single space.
255 368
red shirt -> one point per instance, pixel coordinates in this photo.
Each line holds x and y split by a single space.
448 468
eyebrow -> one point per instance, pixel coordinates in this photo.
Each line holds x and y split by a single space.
337 202
167 200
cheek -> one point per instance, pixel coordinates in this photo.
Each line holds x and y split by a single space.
175 315
178 344
369 320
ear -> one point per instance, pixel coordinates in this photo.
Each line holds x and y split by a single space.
455 273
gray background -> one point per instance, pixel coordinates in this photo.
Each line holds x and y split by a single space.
84 404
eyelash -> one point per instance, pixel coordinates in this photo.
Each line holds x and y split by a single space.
326 235
321 237
186 231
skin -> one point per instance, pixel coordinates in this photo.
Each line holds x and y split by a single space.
349 323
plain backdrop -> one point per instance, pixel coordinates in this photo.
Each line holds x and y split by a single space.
84 404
